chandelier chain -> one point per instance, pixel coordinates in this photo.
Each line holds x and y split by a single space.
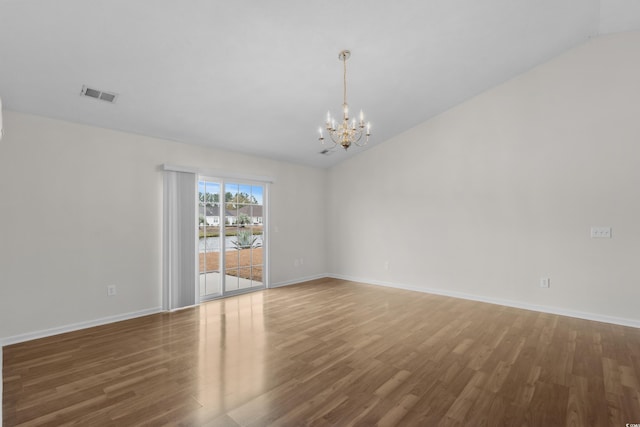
344 79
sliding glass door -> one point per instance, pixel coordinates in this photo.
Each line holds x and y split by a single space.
231 232
244 222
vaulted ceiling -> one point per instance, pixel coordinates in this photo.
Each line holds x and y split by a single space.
259 76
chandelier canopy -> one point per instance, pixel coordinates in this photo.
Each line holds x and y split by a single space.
346 133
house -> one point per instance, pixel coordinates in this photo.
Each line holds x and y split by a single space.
503 136
253 214
211 214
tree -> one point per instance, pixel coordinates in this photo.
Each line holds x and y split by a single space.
239 200
209 197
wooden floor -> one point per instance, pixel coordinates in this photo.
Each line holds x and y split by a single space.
330 353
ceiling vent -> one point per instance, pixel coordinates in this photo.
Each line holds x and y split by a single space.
99 94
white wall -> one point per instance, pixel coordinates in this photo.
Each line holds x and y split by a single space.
80 208
494 194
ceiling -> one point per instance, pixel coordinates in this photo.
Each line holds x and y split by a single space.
259 76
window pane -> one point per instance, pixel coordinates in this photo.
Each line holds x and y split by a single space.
258 238
232 258
256 275
256 258
212 190
231 280
231 196
209 244
244 194
257 193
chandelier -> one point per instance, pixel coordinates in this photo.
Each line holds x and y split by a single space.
346 132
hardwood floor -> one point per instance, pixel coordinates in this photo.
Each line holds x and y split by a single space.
330 353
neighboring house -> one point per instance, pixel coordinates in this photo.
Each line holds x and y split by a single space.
212 214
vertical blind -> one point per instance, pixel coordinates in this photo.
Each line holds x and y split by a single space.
179 240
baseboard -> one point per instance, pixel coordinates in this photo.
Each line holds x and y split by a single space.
76 326
299 280
508 303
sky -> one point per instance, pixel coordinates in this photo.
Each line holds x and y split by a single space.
256 191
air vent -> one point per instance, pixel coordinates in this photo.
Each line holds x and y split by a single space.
99 94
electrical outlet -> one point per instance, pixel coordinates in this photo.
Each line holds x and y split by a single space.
296 262
386 265
111 290
545 282
600 232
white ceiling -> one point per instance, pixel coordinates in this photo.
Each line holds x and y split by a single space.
259 76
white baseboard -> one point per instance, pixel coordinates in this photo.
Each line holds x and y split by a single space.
508 303
76 326
299 280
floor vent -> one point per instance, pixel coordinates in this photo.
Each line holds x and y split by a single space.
99 94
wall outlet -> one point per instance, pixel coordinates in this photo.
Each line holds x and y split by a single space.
386 265
545 282
600 232
296 262
111 290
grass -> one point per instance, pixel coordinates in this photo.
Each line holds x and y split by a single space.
212 231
